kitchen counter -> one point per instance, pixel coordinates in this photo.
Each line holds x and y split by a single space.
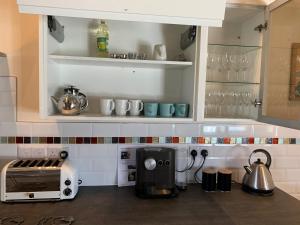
119 206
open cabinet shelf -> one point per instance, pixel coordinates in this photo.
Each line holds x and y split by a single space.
232 82
111 62
231 47
75 62
99 118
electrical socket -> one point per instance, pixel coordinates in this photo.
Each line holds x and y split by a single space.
199 157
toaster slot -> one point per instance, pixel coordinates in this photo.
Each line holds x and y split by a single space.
25 164
41 163
33 163
56 163
48 163
17 164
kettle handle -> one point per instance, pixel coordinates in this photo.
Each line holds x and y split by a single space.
269 159
83 101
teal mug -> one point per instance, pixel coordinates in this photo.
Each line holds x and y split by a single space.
166 109
181 110
150 109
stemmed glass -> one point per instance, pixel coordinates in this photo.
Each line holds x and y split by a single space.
211 63
247 99
244 66
226 65
234 60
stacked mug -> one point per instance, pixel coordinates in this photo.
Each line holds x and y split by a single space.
121 107
154 109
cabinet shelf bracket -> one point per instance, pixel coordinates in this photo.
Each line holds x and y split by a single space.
261 27
56 29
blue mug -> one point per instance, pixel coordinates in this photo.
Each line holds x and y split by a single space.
150 109
181 110
166 109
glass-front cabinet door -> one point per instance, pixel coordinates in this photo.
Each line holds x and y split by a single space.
281 90
233 77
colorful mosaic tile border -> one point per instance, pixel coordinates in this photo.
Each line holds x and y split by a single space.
146 140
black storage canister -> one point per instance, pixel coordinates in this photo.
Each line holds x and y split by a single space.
209 179
224 180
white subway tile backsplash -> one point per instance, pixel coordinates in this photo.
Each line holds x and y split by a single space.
106 129
278 150
284 163
163 130
293 174
189 130
97 151
264 130
98 178
8 84
133 130
47 130
77 129
240 131
92 179
213 130
279 175
287 132
293 150
84 165
105 164
110 178
15 129
8 151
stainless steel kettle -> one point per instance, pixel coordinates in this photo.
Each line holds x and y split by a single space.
258 178
72 102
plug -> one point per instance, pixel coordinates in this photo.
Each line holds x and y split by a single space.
194 153
204 153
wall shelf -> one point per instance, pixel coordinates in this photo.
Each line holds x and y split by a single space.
233 48
131 63
99 118
232 82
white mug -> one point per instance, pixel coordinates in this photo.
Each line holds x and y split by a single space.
107 105
160 52
122 107
136 107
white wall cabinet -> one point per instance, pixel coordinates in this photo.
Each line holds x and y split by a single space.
193 12
227 70
245 65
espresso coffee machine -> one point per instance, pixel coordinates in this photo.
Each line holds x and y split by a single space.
155 172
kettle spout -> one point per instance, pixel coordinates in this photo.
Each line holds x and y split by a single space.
54 100
248 170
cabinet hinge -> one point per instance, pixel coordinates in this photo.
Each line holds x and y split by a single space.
261 27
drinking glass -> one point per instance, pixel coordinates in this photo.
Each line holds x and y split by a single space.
244 66
226 65
234 60
210 66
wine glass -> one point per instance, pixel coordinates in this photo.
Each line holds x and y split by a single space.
226 65
210 66
244 66
234 61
